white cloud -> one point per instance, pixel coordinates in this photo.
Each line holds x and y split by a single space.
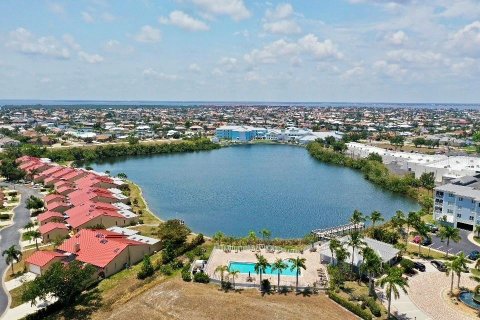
281 11
397 38
194 68
45 80
353 72
276 21
148 34
150 73
87 17
416 56
467 39
308 44
282 27
391 70
22 40
112 44
236 9
56 8
90 58
465 66
108 17
70 41
184 21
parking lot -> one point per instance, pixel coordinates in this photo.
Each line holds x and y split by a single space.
455 247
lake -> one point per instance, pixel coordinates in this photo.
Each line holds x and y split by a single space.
251 187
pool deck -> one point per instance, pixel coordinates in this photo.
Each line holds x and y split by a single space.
307 277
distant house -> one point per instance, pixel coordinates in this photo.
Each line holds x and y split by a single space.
8 142
53 230
41 260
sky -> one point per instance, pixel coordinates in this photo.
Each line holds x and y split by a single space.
241 50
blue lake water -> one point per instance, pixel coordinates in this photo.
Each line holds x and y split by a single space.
251 187
249 267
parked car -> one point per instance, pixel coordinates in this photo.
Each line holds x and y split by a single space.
439 265
417 239
419 266
427 241
474 255
432 228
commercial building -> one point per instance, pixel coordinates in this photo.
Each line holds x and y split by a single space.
458 202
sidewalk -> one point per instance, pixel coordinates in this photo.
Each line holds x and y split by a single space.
403 308
17 282
25 309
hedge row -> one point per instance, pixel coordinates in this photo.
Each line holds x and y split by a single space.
353 307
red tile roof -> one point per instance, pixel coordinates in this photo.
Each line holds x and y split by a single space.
97 247
53 196
79 220
49 214
46 228
41 258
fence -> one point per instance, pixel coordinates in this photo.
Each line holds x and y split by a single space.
256 247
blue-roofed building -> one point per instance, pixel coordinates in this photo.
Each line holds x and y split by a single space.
240 133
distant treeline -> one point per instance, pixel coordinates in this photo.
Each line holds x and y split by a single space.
373 170
92 153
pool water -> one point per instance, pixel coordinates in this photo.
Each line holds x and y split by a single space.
246 267
467 298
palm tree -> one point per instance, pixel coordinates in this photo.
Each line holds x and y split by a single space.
311 238
398 220
297 263
355 241
218 237
451 270
221 270
477 230
234 274
12 254
461 265
412 219
393 281
334 245
261 266
341 254
279 265
375 216
252 237
266 234
449 233
372 265
29 225
421 230
35 234
357 218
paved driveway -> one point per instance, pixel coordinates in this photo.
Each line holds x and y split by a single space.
11 236
454 248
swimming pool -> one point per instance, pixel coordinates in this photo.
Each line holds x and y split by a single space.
246 267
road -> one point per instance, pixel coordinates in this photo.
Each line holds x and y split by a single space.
455 247
11 236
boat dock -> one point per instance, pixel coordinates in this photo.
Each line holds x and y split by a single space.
328 233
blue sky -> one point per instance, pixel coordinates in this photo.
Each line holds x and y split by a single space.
241 50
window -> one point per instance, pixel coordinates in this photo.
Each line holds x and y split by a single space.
451 195
460 199
471 218
449 211
450 203
459 215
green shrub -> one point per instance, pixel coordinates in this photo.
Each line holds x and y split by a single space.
4 216
166 269
353 307
407 266
201 277
373 306
147 269
186 274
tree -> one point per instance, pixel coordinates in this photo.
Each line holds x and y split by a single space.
261 266
297 264
279 265
418 142
147 269
35 234
392 282
398 220
357 218
221 269
310 238
234 274
421 230
339 146
34 203
333 245
451 270
426 202
122 175
412 219
375 157
476 136
461 263
12 254
266 234
174 231
252 237
355 241
397 141
427 180
375 216
29 225
372 265
9 169
218 237
64 282
132 140
341 254
449 233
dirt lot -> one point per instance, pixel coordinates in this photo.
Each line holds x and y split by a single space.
175 299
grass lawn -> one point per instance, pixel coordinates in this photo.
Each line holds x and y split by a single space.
136 197
20 266
17 296
412 249
477 239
